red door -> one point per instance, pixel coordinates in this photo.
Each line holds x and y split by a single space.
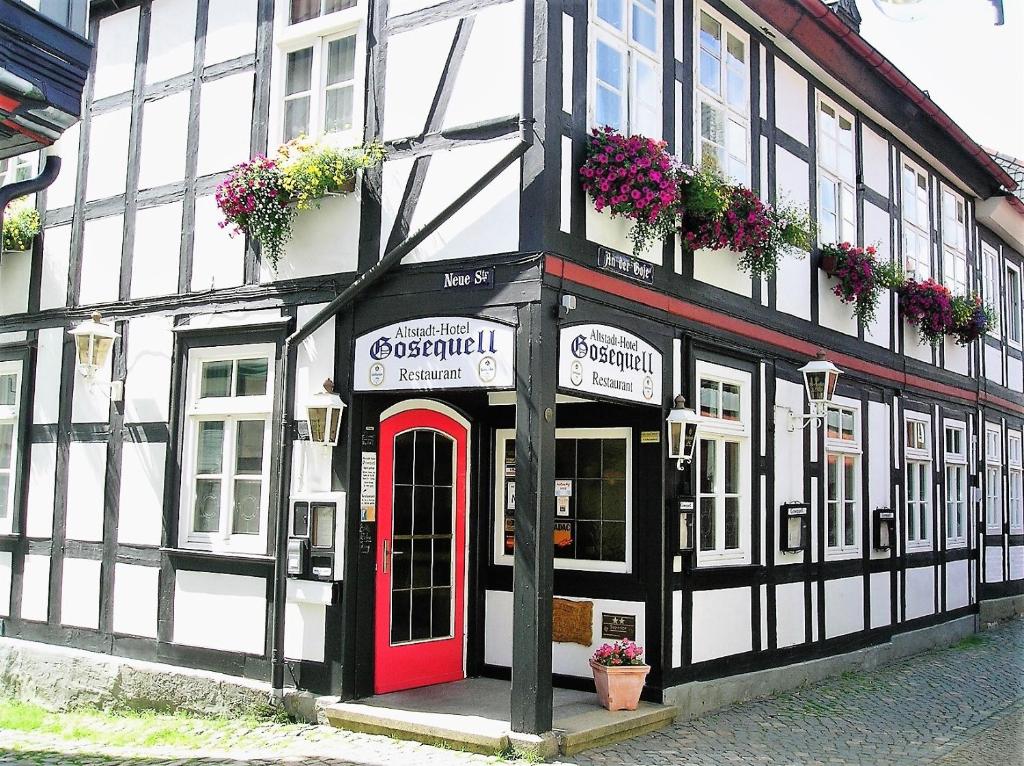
421 551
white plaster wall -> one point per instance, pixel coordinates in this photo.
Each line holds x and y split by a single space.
565 181
218 259
5 583
140 512
415 61
90 401
220 611
879 425
1014 371
833 313
324 241
226 109
61 193
156 254
314 360
15 271
108 154
955 357
881 600
114 69
171 39
136 598
920 592
876 161
399 7
35 588
80 593
957 585
790 101
230 30
101 260
1016 562
789 474
53 287
993 563
914 346
876 232
164 139
789 614
147 387
41 476
677 628
721 269
844 606
993 363
791 181
720 623
48 364
305 620
235 318
614 232
87 468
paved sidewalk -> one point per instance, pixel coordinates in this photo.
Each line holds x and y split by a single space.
952 707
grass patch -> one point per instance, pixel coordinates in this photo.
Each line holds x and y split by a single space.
970 642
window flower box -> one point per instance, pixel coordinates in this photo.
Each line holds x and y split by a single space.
972 318
859 276
928 306
21 226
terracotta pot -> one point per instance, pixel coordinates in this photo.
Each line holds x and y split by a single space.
619 686
828 264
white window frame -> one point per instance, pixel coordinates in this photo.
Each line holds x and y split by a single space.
993 479
913 227
501 435
721 430
954 248
1015 488
318 33
23 165
622 41
843 450
918 459
230 409
10 415
1012 311
955 458
830 172
992 295
720 100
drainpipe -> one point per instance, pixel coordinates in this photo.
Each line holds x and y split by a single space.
29 185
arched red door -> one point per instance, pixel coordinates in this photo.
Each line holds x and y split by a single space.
421 550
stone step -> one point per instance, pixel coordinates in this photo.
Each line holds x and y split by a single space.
599 727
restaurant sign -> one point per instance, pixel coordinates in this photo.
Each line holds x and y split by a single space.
435 353
607 361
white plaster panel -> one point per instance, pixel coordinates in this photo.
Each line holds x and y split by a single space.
235 318
1016 562
164 139
80 593
956 357
226 109
567 64
833 313
791 177
721 269
220 611
1014 370
881 602
993 363
87 470
53 288
314 361
230 30
61 193
35 588
565 180
876 232
415 61
136 596
814 603
218 259
325 240
720 623
489 83
101 260
614 233
791 183
48 365
155 256
913 345
5 583
90 400
140 511
147 386
790 101
304 631
395 176
789 614
108 154
489 223
172 37
957 585
920 595
41 477
15 271
114 68
789 475
993 563
876 161
878 424
844 606
677 628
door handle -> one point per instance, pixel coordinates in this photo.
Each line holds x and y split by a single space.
385 563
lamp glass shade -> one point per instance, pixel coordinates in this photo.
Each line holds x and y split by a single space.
93 341
683 424
323 414
820 379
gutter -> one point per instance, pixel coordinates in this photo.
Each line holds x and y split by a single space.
29 185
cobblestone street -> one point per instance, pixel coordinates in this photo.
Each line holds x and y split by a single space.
962 705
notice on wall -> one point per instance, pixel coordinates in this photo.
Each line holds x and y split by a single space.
572 621
368 487
610 362
618 627
436 353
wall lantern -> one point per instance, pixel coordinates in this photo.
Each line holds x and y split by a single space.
683 424
820 378
93 341
323 412
884 528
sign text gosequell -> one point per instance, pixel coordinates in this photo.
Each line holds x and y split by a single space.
599 359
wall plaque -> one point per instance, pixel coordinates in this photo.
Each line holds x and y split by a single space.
368 487
618 626
625 265
469 279
572 621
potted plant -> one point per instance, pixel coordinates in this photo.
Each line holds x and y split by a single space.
859 276
972 318
619 673
928 305
313 171
21 225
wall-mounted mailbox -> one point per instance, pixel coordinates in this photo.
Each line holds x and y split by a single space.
885 528
687 515
316 536
794 526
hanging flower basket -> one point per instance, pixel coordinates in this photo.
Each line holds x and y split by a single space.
928 306
972 318
859 276
21 226
619 674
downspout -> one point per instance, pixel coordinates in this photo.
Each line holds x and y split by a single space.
346 298
29 185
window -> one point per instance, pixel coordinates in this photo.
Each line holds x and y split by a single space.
1013 304
993 480
917 257
20 168
837 205
723 466
917 451
319 94
990 274
842 480
1013 459
954 243
956 484
593 498
304 10
723 97
10 389
226 463
626 66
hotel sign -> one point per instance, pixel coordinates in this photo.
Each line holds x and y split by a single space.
607 361
436 353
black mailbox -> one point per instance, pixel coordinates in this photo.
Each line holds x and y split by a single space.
794 526
885 528
687 514
315 543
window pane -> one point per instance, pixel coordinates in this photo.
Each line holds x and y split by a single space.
707 523
245 516
707 466
341 60
645 24
249 447
252 377
712 123
710 34
736 140
210 450
611 12
588 457
614 456
565 458
588 540
207 505
613 500
588 499
732 523
613 541
299 72
6 444
303 10
710 72
9 389
646 97
296 117
5 490
330 6
732 468
216 379
609 65
608 110
338 111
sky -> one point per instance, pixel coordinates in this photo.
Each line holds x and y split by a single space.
972 69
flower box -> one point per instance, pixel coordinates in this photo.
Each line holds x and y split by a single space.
828 264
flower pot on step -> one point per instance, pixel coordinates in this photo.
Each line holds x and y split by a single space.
619 686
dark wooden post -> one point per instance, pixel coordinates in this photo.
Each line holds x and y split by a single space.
536 364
